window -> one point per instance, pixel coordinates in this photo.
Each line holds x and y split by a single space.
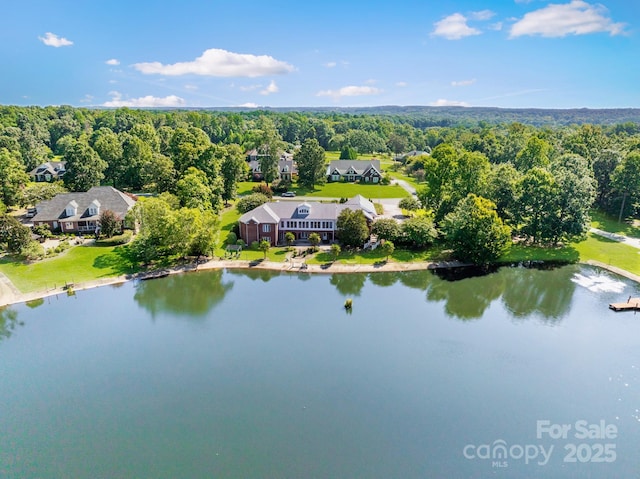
375 179
68 225
266 228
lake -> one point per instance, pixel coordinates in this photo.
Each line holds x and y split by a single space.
522 373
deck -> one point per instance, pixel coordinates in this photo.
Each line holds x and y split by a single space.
632 304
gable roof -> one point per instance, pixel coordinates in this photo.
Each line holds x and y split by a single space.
108 198
359 166
279 210
54 168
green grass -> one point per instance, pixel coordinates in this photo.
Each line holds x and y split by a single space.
244 187
349 190
609 252
77 265
519 253
609 223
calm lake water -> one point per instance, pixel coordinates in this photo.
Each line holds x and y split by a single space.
244 374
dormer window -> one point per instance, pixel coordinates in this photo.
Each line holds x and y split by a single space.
71 209
303 209
94 208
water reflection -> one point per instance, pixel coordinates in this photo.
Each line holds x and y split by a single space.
467 298
532 291
193 294
264 275
8 322
349 284
384 279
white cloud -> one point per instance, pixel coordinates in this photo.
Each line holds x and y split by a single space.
249 105
401 84
190 87
143 102
220 63
496 26
87 99
53 40
272 88
113 61
330 64
350 91
371 81
443 102
454 27
559 20
482 15
463 82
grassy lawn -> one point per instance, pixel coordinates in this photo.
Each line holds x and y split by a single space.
609 223
609 252
77 265
349 190
244 187
376 256
519 253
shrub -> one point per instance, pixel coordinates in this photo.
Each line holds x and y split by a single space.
33 251
251 201
409 203
232 238
264 189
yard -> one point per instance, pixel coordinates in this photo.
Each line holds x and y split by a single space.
79 264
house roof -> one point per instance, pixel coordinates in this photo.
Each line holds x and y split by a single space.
287 166
359 166
108 198
54 168
279 210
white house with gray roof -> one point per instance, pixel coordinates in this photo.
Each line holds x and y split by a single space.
272 221
80 212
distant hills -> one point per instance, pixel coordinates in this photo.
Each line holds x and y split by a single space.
456 115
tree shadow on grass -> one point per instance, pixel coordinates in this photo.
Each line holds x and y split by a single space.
118 261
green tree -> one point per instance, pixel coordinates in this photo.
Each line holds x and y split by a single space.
32 251
537 205
604 165
12 177
419 231
314 239
502 184
289 238
625 180
335 251
264 246
34 193
84 168
409 203
352 229
13 235
268 142
310 159
158 174
387 247
534 154
109 223
348 153
194 192
233 169
108 146
249 202
475 232
386 229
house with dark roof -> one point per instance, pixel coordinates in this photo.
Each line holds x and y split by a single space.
272 221
49 171
80 212
364 171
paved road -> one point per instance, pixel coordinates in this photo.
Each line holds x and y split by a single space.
635 242
407 187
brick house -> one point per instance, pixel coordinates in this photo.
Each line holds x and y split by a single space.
272 221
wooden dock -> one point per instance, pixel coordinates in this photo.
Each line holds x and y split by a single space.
632 304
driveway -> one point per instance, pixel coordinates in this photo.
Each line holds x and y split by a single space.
407 187
635 242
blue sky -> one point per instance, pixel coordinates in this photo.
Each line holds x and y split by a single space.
502 53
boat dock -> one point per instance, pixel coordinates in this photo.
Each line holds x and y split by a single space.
632 304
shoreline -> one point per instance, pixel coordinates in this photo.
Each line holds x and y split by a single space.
9 294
